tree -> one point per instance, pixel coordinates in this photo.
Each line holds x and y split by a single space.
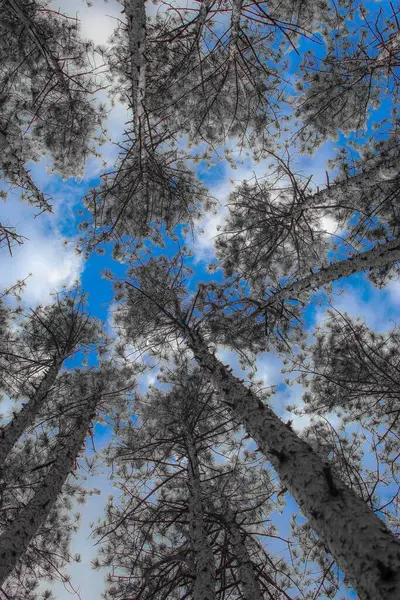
219 75
183 73
153 310
274 227
173 530
352 371
32 359
48 82
356 74
89 392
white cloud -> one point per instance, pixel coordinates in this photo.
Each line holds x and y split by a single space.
51 264
95 25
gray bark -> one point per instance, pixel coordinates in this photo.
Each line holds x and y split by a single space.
235 28
16 538
135 12
250 587
366 551
380 256
204 585
384 168
25 418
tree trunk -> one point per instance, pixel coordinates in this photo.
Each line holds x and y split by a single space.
204 585
366 551
386 167
135 12
235 28
380 256
25 418
249 584
16 538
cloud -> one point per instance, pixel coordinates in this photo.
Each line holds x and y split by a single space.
93 20
357 297
43 257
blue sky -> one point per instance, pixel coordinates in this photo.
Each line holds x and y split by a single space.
53 264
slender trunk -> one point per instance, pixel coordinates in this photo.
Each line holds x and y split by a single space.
16 538
366 551
25 418
204 585
380 256
386 167
135 12
235 27
250 587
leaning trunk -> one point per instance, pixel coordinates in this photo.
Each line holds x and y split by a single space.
366 551
204 585
380 256
16 538
25 418
385 168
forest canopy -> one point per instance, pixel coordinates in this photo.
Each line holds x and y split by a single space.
199 335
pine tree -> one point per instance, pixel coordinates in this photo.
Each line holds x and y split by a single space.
342 521
175 504
33 359
46 107
351 370
89 393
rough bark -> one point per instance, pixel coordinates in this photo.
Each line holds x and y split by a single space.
235 28
250 587
16 538
386 167
135 12
366 551
204 584
380 256
25 418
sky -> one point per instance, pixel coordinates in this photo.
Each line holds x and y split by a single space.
48 259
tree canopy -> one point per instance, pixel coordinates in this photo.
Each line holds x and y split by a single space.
219 487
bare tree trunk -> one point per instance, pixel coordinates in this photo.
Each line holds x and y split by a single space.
250 587
135 12
235 28
204 585
16 538
366 551
10 433
380 256
386 167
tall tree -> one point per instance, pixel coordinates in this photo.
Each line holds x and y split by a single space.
344 522
35 356
172 508
352 371
47 84
89 393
